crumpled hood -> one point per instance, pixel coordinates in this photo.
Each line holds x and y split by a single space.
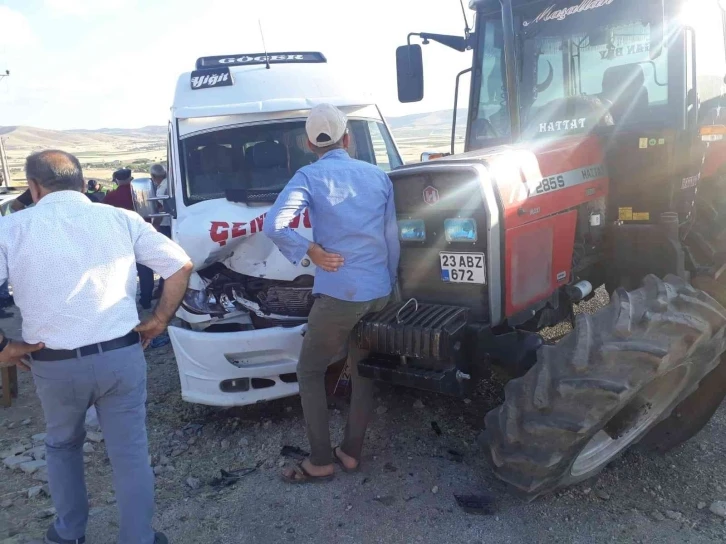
231 233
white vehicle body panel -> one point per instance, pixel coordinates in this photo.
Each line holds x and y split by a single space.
220 231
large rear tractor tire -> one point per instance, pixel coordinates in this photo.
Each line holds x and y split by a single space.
691 415
605 385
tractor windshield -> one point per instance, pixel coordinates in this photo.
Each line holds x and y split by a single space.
580 65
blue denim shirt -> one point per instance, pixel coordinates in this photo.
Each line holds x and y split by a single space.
353 214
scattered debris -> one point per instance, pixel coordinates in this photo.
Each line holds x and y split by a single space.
293 452
456 456
224 444
26 422
88 448
40 437
435 489
230 478
386 500
418 404
658 516
243 442
436 428
483 505
701 505
349 507
718 508
193 483
381 410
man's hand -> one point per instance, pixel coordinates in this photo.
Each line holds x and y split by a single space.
16 353
330 262
150 328
174 288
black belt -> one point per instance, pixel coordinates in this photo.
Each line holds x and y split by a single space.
46 354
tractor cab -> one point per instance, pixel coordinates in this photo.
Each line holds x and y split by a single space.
629 75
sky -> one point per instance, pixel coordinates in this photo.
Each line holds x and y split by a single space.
114 63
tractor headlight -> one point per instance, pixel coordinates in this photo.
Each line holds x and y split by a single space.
412 230
460 230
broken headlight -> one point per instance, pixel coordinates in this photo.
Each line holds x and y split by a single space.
202 303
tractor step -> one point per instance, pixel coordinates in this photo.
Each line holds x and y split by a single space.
446 382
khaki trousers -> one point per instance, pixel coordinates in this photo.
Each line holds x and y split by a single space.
330 325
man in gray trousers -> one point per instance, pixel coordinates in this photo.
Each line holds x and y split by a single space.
82 337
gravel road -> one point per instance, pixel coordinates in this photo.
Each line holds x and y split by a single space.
404 493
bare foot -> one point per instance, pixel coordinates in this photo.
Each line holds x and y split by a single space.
351 463
315 471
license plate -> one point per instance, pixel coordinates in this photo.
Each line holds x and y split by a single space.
463 267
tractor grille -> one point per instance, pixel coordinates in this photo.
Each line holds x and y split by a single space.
428 332
460 195
288 301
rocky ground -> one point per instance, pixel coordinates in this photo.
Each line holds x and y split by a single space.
421 452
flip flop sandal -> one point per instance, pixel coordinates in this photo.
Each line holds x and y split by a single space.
302 476
342 465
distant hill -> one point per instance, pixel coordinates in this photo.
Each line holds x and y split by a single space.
115 147
28 139
434 120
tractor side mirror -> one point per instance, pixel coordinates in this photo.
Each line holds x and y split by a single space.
410 75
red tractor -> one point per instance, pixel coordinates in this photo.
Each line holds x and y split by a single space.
582 167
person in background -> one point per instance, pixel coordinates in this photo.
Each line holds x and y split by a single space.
163 224
356 250
5 301
75 366
22 202
95 192
121 198
25 200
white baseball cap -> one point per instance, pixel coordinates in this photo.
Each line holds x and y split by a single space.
326 125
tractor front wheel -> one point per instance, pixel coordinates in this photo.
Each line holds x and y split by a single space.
605 385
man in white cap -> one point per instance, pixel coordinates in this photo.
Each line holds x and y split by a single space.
356 251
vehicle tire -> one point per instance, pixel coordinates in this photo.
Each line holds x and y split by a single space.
599 390
690 416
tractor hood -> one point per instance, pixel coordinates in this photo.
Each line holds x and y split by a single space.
219 231
463 207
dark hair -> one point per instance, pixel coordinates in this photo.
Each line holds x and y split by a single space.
123 175
55 170
323 150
